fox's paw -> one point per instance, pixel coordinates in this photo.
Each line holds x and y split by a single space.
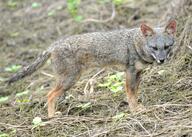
56 115
138 108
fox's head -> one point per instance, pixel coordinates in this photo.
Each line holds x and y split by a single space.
159 41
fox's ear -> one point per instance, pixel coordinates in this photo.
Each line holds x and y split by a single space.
146 30
171 27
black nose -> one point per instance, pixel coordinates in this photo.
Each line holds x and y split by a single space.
161 60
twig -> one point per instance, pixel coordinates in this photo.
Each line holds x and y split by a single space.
91 80
189 47
178 105
12 126
103 21
149 134
47 74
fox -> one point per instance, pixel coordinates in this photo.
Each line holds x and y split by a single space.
131 49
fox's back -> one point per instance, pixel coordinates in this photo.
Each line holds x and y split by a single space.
98 48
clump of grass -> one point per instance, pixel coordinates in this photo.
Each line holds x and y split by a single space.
72 6
13 68
113 82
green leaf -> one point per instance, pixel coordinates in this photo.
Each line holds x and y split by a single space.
78 18
118 2
12 4
59 7
22 100
14 34
22 93
119 75
104 84
51 13
116 88
114 82
4 135
112 77
113 89
3 99
119 116
13 68
84 106
37 121
118 84
72 6
36 5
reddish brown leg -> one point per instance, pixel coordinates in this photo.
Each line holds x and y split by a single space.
132 83
52 96
65 83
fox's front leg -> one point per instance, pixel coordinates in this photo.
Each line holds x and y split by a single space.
132 83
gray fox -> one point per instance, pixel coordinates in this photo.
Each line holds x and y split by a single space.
128 48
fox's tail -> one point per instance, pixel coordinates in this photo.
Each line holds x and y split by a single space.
39 62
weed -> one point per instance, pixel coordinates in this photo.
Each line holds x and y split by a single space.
72 6
36 5
3 99
13 68
113 82
12 4
4 135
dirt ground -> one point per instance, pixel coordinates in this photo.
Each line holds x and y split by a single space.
27 27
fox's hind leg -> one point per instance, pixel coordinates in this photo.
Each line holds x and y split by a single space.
52 95
65 82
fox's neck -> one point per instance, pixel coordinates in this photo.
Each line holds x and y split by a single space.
139 44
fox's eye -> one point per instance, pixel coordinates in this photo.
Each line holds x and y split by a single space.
155 48
166 47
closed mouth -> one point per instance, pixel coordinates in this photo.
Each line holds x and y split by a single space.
158 61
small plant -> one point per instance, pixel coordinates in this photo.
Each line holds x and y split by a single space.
51 13
22 103
118 2
54 11
113 82
14 34
4 135
13 68
119 116
22 93
12 4
37 122
3 99
35 5
84 106
72 6
22 99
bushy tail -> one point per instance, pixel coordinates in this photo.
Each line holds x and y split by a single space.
39 62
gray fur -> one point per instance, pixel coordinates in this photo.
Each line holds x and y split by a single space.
31 68
80 52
